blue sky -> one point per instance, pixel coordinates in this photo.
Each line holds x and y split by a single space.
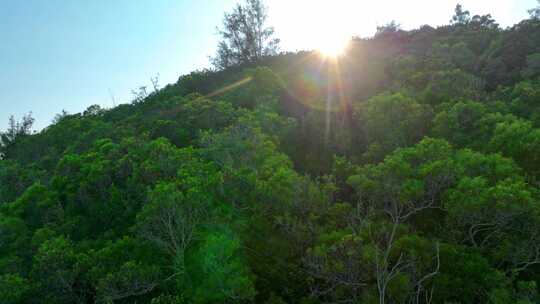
70 54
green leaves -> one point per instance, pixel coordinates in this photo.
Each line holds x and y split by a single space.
408 181
465 276
56 269
131 279
13 288
462 124
219 270
392 121
519 141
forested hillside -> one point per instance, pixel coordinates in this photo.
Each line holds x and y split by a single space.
406 170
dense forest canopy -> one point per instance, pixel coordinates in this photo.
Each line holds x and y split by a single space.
406 170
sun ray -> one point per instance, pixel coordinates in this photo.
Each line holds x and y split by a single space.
230 87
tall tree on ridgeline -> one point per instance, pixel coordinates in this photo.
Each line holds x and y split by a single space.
245 37
15 130
535 12
460 16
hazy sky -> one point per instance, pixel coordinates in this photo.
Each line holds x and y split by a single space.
69 54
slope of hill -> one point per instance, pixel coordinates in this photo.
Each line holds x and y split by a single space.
405 171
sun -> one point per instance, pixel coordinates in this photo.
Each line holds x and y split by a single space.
333 46
333 40
326 28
